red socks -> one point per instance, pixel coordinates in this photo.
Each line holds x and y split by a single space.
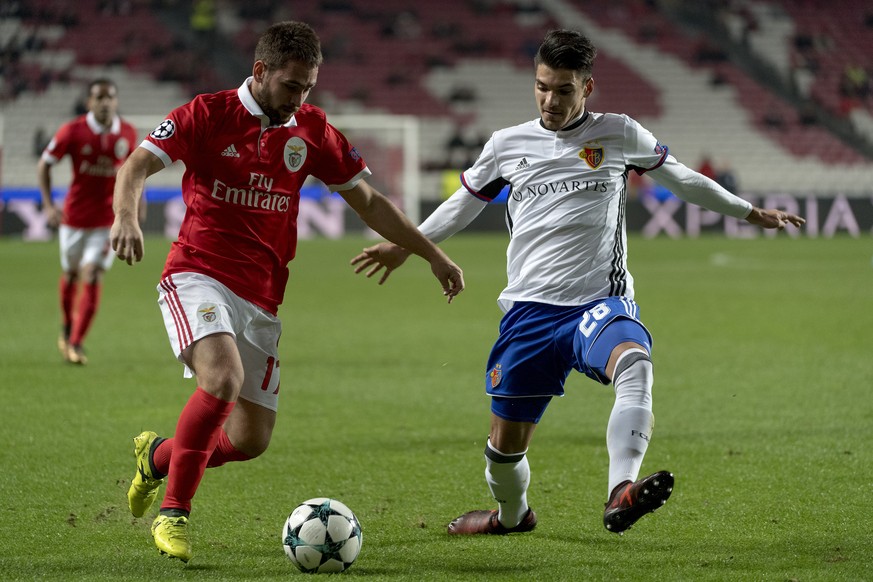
67 291
224 453
85 313
197 436
76 325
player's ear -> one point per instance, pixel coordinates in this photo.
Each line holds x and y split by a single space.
258 70
588 87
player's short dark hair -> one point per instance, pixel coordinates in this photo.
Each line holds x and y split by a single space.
567 49
101 81
288 41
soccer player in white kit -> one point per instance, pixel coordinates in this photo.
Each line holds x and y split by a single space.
247 152
569 301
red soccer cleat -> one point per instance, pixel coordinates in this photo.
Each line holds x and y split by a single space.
485 521
630 501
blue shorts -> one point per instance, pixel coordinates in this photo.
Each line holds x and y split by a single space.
539 344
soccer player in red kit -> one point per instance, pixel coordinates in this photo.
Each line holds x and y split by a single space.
97 143
247 152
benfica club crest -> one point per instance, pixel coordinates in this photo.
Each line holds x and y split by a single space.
208 312
593 156
495 374
295 154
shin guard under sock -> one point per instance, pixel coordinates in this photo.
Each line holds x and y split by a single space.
631 421
88 303
196 437
508 477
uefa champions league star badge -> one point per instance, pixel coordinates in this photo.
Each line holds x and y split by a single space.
164 130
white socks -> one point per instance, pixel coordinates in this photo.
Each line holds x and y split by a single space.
508 477
631 421
627 438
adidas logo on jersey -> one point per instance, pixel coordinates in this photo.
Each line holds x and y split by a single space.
230 152
522 164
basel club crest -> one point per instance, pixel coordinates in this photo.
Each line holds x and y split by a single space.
496 374
593 156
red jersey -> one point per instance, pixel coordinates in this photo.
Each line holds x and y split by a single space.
242 187
96 154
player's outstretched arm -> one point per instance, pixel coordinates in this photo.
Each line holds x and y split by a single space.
697 189
385 218
773 218
125 236
450 217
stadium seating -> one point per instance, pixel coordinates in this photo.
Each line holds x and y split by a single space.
467 64
837 36
717 109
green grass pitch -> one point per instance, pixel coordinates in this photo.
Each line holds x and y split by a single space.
763 405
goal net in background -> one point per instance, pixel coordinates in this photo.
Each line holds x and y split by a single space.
389 145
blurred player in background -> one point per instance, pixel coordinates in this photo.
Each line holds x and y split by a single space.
569 301
247 152
97 143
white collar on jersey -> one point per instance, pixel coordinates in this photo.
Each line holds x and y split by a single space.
570 126
248 101
99 128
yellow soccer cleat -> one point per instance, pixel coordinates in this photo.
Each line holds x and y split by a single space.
76 355
144 486
63 346
171 537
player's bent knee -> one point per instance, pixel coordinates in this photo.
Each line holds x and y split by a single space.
633 379
627 359
250 427
617 337
254 448
251 443
91 273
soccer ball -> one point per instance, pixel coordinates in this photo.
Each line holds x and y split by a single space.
322 535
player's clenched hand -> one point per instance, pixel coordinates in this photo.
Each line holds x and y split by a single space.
126 240
384 255
450 276
773 218
53 216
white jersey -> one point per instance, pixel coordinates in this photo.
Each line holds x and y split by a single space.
566 206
